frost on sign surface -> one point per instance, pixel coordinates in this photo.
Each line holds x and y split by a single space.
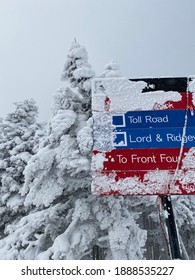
144 136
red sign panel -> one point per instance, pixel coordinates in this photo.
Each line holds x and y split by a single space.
144 136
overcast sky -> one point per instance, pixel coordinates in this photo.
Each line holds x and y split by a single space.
148 38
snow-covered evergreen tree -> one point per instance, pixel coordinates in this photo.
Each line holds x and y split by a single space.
16 148
66 220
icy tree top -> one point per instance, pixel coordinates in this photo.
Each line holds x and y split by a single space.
26 112
111 69
77 70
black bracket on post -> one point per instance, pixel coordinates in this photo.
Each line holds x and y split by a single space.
171 227
96 252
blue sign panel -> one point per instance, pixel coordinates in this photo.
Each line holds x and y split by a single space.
153 138
149 119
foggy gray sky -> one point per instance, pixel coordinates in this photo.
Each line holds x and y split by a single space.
146 37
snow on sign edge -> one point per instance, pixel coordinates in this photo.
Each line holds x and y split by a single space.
155 181
118 89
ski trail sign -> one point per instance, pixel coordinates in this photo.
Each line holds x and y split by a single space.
144 136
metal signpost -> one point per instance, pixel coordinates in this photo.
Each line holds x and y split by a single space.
144 134
171 227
